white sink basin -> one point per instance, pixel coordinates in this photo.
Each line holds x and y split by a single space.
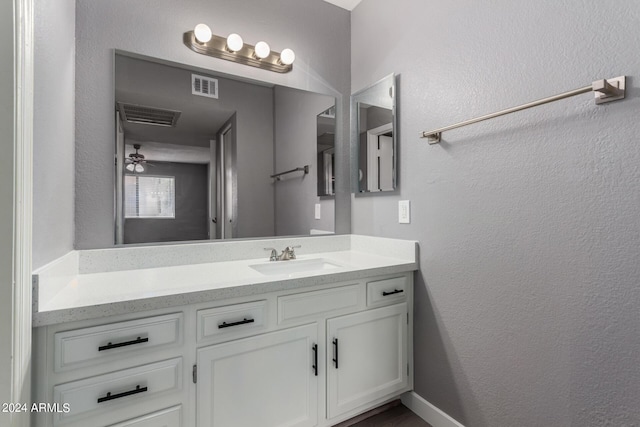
315 265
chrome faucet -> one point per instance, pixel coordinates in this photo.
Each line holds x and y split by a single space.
274 254
287 254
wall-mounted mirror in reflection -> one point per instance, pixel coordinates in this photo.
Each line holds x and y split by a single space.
326 152
373 133
195 152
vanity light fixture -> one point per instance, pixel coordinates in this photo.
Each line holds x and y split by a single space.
203 33
234 42
287 57
233 48
262 50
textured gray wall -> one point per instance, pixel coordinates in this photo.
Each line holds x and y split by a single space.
191 220
53 131
317 31
6 201
527 300
295 146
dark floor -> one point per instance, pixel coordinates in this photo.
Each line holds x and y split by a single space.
396 416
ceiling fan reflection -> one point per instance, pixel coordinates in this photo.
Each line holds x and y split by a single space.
136 161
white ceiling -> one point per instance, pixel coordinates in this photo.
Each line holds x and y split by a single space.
345 4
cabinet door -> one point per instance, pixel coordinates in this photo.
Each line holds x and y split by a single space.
267 381
367 357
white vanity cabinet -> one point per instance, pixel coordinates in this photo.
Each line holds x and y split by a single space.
303 357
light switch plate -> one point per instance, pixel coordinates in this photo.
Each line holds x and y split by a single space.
317 210
404 212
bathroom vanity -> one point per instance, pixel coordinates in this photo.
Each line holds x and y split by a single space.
215 334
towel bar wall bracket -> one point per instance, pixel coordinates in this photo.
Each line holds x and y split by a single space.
605 90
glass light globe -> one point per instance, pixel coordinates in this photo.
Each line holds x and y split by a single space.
287 57
139 168
234 42
130 167
262 50
202 33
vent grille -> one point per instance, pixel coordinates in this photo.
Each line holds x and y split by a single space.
204 86
148 115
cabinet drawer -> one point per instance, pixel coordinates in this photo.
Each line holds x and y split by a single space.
386 291
111 391
94 345
309 305
171 417
232 321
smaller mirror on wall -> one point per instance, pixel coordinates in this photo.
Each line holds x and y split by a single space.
373 136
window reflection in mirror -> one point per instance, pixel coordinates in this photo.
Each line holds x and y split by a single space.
373 133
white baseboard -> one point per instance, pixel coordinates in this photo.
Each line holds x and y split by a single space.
428 412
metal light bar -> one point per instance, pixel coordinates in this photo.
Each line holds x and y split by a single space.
304 169
216 47
605 91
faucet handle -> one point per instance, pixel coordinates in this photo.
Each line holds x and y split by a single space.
290 250
274 254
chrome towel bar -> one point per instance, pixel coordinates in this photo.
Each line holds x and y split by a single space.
606 90
304 169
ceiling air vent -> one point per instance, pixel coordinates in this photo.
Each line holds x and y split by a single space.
148 115
204 86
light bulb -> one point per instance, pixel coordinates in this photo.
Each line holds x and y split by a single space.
234 42
202 33
130 167
262 50
287 57
139 168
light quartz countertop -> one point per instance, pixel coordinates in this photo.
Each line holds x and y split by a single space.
99 283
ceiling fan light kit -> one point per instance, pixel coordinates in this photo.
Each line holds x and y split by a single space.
135 160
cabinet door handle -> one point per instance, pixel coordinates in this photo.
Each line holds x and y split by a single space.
122 344
335 349
395 291
110 396
315 359
241 322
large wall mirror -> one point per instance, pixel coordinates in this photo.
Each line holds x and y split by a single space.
374 135
196 152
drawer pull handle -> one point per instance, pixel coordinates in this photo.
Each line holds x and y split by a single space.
315 359
395 291
242 322
110 396
109 346
335 346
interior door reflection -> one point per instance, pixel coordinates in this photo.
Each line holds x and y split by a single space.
227 189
